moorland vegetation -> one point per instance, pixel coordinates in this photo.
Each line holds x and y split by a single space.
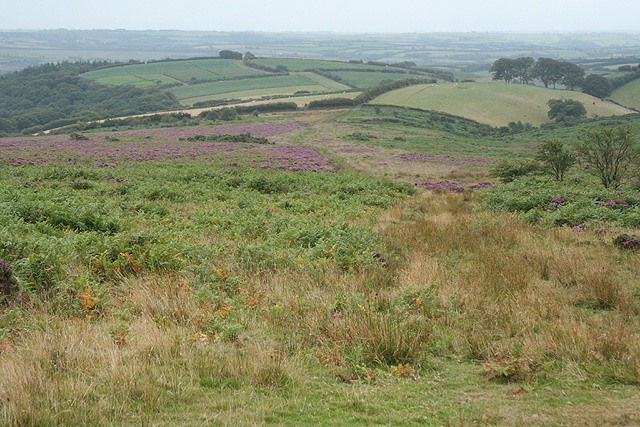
356 265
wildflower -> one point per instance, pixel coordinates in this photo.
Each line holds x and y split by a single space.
580 228
8 283
557 200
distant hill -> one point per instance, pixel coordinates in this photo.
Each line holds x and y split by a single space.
495 104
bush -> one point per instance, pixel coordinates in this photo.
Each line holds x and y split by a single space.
562 109
558 203
625 241
8 283
509 170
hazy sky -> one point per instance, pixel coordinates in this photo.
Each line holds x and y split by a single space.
371 16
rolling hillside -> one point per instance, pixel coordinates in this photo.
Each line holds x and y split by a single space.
172 72
628 95
496 104
214 79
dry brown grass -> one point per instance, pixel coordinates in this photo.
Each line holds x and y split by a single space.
518 288
457 283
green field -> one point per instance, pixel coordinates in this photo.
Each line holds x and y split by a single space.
628 95
243 88
367 79
200 80
295 64
174 71
326 82
496 104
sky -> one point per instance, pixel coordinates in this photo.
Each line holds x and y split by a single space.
351 16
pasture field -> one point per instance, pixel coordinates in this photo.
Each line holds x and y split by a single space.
496 104
628 95
274 85
296 64
191 79
324 276
365 79
326 82
182 71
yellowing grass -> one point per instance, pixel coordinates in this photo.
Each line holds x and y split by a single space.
496 104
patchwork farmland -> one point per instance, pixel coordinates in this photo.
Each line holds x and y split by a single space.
204 80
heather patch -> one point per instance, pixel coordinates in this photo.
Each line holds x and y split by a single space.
452 186
162 145
625 241
450 160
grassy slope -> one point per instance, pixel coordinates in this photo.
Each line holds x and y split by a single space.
628 95
482 287
496 104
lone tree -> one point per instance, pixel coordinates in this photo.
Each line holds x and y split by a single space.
562 109
555 157
608 153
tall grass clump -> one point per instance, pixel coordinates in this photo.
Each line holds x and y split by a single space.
504 288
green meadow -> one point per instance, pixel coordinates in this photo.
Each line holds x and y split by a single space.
199 80
628 95
182 71
495 104
230 88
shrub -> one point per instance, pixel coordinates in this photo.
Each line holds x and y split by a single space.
608 153
563 109
555 157
8 283
507 171
625 241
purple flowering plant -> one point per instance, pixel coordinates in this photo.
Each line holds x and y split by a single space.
8 283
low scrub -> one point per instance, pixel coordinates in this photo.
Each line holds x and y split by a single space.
574 203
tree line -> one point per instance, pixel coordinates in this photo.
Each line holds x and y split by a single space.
547 70
54 95
551 72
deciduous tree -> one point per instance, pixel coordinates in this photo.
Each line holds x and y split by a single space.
562 109
547 70
596 85
571 75
608 153
556 158
503 69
